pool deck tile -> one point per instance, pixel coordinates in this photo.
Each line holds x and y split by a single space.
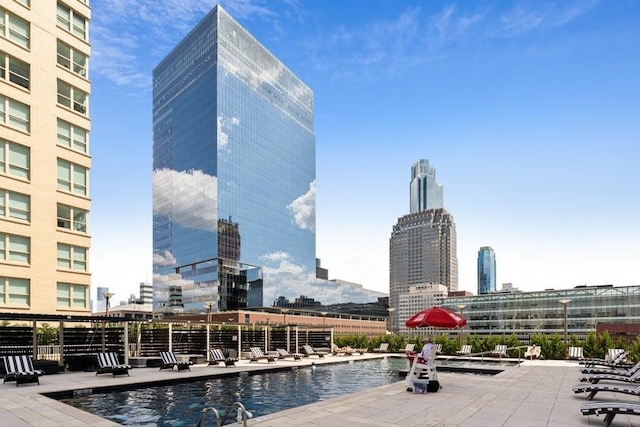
536 393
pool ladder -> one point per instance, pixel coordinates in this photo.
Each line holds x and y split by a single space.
242 415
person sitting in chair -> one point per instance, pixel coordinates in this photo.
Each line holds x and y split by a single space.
428 351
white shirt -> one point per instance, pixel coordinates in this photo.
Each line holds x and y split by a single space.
428 351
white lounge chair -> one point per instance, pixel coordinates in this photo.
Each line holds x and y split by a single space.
308 351
283 354
384 347
592 389
257 355
613 371
595 378
500 350
169 361
438 348
216 356
618 360
465 349
533 351
610 409
20 369
108 363
409 348
575 353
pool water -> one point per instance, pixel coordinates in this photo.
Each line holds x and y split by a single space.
261 394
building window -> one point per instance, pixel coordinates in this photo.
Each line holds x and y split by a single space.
72 59
14 113
72 177
18 71
14 160
14 205
70 295
14 291
14 248
72 257
72 97
72 21
72 218
14 29
72 136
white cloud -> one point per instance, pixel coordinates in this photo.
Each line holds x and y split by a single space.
164 259
304 209
188 197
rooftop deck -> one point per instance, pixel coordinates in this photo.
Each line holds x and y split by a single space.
537 393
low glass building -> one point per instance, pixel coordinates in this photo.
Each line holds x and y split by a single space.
527 313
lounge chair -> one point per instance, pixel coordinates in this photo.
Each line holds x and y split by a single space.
257 355
341 351
283 354
20 369
308 351
108 363
533 351
614 371
575 353
595 378
438 348
216 356
409 348
592 389
465 349
500 350
169 361
617 361
610 409
384 347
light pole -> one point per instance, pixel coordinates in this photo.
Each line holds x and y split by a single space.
461 307
324 318
107 296
209 305
284 315
391 310
564 303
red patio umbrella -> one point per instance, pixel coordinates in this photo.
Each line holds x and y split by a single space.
436 317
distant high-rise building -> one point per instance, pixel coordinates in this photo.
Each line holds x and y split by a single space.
44 157
422 247
425 193
486 270
233 138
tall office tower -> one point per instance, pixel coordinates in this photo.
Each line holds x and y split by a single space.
486 270
232 138
422 247
425 193
44 157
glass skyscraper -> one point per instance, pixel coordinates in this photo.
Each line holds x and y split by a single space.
234 176
486 270
423 244
425 193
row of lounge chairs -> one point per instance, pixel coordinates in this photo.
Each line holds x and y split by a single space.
619 376
21 370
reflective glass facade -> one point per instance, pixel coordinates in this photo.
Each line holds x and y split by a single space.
486 270
233 175
530 312
425 193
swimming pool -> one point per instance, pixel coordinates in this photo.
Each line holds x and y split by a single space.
261 393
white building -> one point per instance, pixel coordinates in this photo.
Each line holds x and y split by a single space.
418 298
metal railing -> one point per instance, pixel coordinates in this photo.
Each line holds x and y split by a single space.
238 408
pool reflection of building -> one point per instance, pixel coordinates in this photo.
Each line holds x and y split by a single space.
233 138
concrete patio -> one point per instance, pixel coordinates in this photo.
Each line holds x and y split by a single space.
536 393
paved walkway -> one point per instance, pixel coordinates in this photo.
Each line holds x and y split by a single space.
534 394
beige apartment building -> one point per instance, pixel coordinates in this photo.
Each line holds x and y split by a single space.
44 156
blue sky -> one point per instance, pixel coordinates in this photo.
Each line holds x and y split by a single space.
528 110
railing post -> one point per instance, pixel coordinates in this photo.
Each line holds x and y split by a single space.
61 343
